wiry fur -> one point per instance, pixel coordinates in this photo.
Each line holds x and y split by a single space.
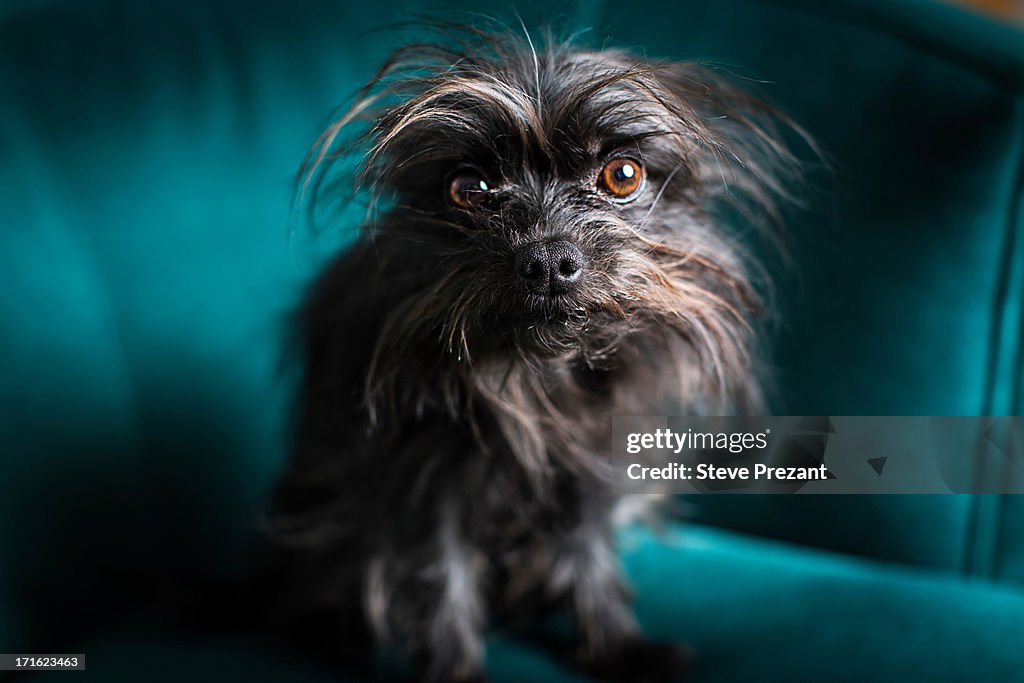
452 455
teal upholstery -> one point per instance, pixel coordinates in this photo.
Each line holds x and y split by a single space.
146 158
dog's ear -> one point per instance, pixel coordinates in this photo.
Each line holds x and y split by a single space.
359 131
353 125
743 144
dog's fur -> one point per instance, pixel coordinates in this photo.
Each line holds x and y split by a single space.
453 436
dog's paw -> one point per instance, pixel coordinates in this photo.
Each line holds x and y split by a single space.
641 661
473 677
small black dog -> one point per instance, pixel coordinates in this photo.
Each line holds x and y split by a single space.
555 250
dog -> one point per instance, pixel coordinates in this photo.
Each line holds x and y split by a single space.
560 235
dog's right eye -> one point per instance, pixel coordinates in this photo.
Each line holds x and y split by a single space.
468 190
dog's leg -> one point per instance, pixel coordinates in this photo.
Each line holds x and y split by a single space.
437 606
455 641
611 646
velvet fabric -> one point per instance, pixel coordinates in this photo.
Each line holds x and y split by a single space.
150 260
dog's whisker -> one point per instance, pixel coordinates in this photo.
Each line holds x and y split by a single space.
657 198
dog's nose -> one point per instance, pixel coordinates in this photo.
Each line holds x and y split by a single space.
549 267
565 263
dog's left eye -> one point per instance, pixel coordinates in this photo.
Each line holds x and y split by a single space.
622 179
468 190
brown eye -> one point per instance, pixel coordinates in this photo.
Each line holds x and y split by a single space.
468 190
621 178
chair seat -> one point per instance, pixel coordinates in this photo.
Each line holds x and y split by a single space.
735 599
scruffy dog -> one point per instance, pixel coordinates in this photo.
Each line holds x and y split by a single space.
559 238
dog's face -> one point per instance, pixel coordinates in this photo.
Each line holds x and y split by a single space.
550 181
561 200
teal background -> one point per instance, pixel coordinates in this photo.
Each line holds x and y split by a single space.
146 158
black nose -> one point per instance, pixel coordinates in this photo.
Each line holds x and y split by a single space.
548 268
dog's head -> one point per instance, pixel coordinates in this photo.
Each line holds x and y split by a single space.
561 200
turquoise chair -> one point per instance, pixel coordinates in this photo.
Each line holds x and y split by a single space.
147 269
